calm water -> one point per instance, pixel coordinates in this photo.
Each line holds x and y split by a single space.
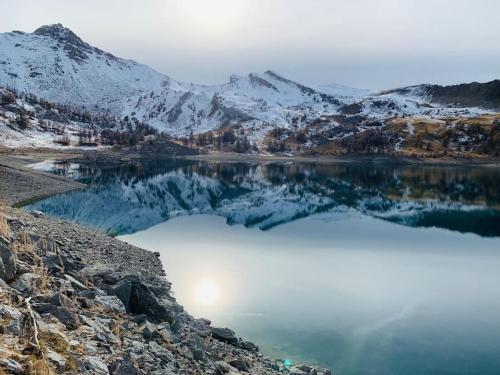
365 269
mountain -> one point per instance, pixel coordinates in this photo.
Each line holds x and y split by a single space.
253 113
475 94
254 100
55 64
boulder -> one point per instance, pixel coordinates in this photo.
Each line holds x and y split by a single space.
125 367
8 263
248 346
240 364
224 335
148 330
139 299
13 366
37 214
60 263
56 358
14 317
59 299
70 320
95 366
27 283
112 303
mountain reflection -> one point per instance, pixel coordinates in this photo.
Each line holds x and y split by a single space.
130 198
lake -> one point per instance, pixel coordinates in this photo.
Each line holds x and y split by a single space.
364 268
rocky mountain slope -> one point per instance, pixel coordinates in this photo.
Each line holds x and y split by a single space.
475 94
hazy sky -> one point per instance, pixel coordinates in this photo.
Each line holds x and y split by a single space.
362 43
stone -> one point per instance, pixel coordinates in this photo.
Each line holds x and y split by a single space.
248 346
112 303
15 318
56 358
224 335
139 319
148 330
302 370
139 299
70 320
240 364
198 354
8 263
13 366
95 366
59 299
75 283
37 214
27 283
125 367
61 264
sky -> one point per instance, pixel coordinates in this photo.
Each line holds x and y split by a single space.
374 44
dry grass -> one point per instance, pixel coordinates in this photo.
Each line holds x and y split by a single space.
53 341
40 366
4 227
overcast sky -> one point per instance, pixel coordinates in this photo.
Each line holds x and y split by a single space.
361 43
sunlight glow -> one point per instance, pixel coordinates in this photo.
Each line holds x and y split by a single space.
207 292
213 15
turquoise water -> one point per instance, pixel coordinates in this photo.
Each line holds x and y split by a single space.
364 269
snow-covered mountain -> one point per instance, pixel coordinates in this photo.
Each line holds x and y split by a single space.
268 100
55 64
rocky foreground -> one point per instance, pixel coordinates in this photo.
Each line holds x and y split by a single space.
75 301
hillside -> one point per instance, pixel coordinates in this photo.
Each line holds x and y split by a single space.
55 64
257 113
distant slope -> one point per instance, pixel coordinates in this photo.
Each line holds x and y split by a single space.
256 99
484 95
54 63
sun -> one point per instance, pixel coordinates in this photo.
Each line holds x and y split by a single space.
212 15
207 292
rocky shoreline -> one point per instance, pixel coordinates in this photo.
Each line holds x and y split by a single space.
76 301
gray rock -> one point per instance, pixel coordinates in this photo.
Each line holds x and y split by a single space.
61 264
27 283
70 320
224 335
59 299
8 263
112 303
75 283
15 318
56 358
95 366
248 346
148 331
38 214
139 299
240 364
126 367
13 366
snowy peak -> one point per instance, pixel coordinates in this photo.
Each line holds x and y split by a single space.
74 46
56 64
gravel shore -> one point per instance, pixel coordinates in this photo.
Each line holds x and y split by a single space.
19 183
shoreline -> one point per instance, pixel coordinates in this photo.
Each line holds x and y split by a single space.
102 277
128 156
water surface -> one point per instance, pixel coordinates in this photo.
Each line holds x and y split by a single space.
366 269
